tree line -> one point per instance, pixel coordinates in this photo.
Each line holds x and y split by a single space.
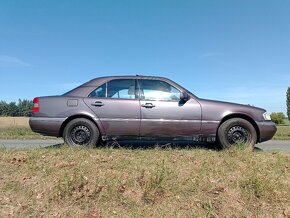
21 109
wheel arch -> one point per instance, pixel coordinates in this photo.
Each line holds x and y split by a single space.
242 116
75 117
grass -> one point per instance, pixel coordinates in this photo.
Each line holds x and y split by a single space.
287 122
18 128
20 132
168 182
283 133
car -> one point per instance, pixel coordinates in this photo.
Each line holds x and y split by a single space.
146 108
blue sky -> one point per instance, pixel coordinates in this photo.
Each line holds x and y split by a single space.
234 50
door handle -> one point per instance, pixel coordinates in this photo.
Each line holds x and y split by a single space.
148 105
98 104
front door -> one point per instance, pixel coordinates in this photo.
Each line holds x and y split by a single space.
164 115
117 107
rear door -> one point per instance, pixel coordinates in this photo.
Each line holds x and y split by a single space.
164 115
116 105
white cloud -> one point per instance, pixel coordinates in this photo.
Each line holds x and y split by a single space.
9 61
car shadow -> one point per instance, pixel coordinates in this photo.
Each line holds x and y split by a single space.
256 149
149 145
161 145
59 145
153 145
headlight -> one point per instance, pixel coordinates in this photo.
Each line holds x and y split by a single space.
266 116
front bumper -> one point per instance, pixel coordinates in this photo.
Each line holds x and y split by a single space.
267 130
46 125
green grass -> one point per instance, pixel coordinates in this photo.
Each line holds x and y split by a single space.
107 182
287 122
283 133
19 132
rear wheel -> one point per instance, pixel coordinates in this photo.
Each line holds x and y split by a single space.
236 131
81 132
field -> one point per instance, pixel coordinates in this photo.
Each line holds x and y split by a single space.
20 132
135 182
106 182
14 121
17 128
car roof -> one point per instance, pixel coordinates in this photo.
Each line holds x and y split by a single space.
100 80
85 88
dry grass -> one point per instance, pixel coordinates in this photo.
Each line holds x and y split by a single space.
108 182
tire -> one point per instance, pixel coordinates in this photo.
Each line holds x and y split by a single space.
235 131
81 132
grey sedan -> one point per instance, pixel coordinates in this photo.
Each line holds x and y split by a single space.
146 108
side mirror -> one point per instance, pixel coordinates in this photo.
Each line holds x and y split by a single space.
184 96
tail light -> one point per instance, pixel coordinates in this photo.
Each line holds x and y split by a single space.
35 108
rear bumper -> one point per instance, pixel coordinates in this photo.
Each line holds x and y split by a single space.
267 130
46 125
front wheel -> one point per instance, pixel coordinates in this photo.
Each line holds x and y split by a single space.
81 132
236 131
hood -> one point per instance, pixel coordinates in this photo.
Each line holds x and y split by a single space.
229 104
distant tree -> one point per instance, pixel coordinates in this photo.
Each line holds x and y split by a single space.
278 118
288 103
4 108
13 109
25 107
22 108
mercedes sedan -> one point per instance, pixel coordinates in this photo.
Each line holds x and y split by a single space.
146 108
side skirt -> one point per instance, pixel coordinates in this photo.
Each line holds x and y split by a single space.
195 138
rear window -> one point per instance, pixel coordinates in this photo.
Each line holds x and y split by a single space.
120 88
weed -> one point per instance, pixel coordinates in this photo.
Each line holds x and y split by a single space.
68 184
153 185
254 186
210 209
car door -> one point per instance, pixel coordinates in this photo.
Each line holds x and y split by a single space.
163 114
116 105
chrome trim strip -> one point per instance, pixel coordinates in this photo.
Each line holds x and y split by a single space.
46 119
118 119
157 120
175 121
210 121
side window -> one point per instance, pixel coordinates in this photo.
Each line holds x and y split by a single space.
119 88
99 92
158 90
